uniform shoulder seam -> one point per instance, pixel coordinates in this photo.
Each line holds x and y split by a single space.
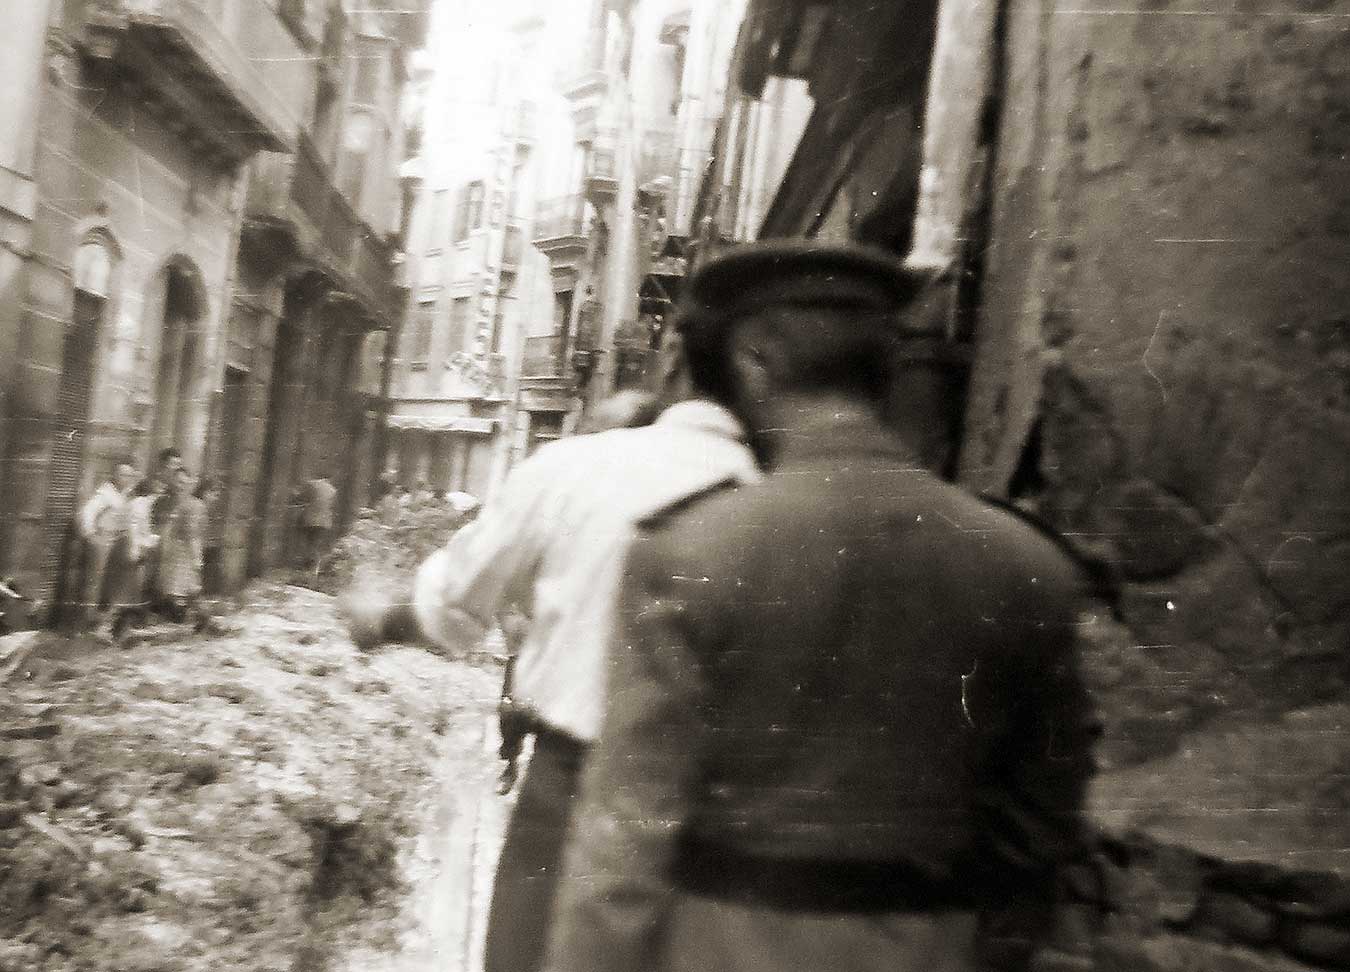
659 516
1103 579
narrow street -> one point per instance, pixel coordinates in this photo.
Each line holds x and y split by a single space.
292 290
269 799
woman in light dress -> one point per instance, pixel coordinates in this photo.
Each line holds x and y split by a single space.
180 562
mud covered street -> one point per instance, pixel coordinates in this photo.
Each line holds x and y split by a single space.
265 799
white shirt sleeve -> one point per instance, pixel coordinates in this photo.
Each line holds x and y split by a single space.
488 562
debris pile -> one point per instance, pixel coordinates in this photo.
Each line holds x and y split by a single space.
383 552
245 802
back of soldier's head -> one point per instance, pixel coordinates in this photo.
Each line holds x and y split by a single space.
828 350
821 316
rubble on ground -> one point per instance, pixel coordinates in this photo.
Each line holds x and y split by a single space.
382 552
243 802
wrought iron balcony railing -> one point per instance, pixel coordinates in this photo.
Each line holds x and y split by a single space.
298 190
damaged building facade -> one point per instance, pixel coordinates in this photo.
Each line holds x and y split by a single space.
201 216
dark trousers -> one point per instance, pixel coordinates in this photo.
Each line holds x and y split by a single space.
532 856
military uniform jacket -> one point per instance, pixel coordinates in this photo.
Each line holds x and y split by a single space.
854 662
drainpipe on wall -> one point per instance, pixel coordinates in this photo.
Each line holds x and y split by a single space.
384 404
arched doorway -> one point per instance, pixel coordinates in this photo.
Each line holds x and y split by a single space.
178 398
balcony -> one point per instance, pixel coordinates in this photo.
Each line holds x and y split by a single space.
602 172
226 75
559 218
657 159
584 80
544 357
513 247
294 196
560 232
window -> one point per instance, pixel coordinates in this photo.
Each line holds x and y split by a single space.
419 337
459 323
325 117
562 310
469 212
94 266
366 85
498 326
440 206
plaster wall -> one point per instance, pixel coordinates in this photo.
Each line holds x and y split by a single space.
1164 366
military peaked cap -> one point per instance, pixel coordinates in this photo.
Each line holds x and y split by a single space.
804 273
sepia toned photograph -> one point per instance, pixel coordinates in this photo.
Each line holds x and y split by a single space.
675 486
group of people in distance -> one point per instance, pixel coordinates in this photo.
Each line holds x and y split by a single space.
145 544
797 701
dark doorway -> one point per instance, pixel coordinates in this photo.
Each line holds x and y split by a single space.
284 400
233 414
70 432
179 353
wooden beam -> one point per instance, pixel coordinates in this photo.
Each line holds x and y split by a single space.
959 88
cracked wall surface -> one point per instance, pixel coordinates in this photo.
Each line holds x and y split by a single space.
1166 297
1163 372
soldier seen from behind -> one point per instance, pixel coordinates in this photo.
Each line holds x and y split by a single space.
843 710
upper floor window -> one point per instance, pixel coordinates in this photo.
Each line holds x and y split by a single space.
93 270
460 309
440 204
366 85
419 336
469 212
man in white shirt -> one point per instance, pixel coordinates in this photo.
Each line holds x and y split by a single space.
554 542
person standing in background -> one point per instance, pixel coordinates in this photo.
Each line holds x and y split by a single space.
317 520
180 568
105 525
158 485
209 492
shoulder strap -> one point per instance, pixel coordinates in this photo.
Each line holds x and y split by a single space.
658 517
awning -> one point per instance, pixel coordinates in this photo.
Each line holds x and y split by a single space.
443 423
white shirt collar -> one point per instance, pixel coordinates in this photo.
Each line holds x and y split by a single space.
699 413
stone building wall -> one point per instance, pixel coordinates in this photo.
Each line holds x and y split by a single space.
1163 372
103 165
1165 353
